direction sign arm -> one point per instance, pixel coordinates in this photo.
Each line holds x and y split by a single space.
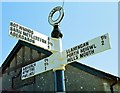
41 66
86 49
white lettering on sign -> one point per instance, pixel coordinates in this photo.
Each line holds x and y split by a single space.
28 35
86 49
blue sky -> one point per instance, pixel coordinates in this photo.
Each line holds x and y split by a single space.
83 21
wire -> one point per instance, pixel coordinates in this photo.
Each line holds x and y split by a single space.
63 4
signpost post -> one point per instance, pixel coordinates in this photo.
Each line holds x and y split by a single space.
59 59
58 72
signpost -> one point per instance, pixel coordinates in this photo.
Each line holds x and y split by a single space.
59 59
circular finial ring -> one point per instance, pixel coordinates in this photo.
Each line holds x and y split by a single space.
60 17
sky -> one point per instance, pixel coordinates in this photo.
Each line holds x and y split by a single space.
82 21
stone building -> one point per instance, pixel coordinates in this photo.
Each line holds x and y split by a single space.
78 77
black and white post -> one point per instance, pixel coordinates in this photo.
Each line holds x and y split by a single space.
56 33
58 72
